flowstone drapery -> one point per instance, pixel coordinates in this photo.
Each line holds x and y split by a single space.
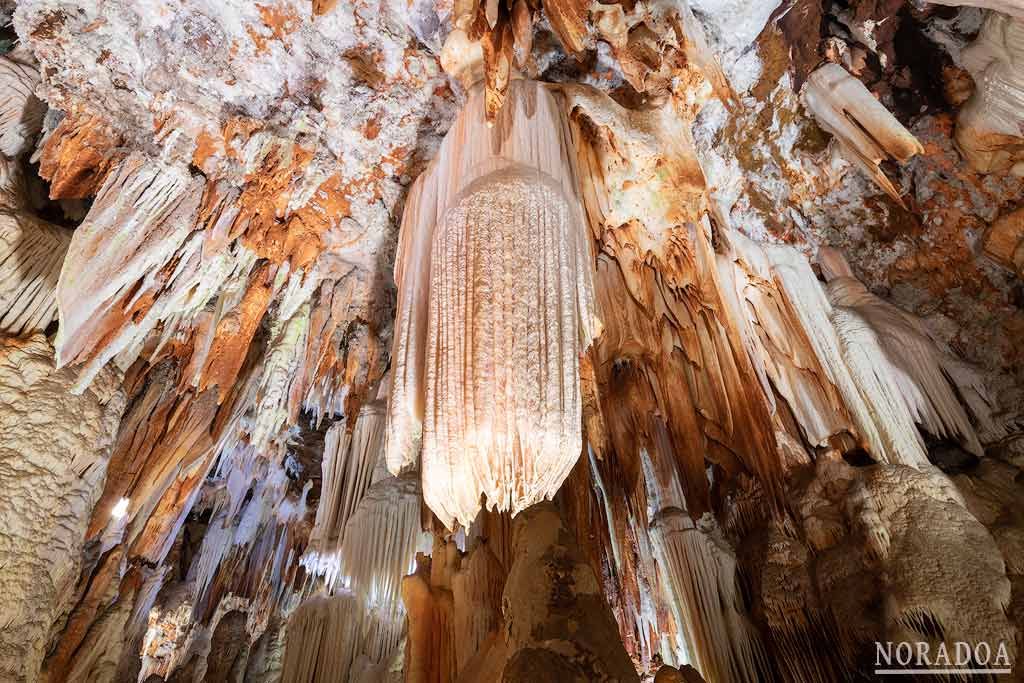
495 308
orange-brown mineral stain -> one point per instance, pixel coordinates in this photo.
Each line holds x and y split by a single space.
371 129
303 231
264 202
206 147
78 156
235 331
259 40
281 21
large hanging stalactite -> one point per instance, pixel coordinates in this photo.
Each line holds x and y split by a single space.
495 308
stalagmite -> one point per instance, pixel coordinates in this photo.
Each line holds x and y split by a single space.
495 308
867 131
990 128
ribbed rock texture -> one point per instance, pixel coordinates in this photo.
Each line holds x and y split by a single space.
53 459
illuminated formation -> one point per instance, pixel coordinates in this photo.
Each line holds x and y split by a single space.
495 308
459 341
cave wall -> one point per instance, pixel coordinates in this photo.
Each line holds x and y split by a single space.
800 419
53 460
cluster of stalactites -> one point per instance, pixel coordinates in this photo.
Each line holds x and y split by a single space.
702 584
905 371
321 638
349 467
495 308
847 362
362 612
364 540
379 548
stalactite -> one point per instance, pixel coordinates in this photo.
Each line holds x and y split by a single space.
931 382
779 343
345 355
497 409
660 295
701 585
378 549
321 640
658 43
78 155
701 441
811 305
868 132
881 395
366 541
989 127
630 579
106 294
277 400
100 654
349 460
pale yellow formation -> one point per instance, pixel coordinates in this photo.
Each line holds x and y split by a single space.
990 128
31 254
495 307
21 112
349 460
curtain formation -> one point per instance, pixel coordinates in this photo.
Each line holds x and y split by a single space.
606 424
